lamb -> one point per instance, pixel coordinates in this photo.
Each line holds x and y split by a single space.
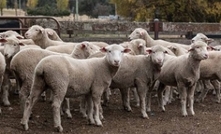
210 70
24 69
184 72
137 46
10 33
142 33
202 37
39 35
78 77
11 46
2 71
139 71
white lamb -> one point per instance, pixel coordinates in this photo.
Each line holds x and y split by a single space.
183 71
73 77
39 35
2 71
139 71
143 34
24 63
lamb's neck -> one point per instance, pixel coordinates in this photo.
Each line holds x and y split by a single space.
193 63
42 41
112 69
148 39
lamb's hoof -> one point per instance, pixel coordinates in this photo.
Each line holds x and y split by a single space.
0 111
69 117
25 126
43 98
91 122
218 101
6 103
198 100
145 117
184 115
84 115
59 129
128 109
137 105
16 92
99 125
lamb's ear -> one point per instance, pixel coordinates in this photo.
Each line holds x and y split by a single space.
3 40
19 37
83 46
211 48
209 40
126 50
103 49
49 33
21 44
149 50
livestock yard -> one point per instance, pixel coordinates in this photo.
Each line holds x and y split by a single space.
117 120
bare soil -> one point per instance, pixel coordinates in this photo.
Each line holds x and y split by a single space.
117 121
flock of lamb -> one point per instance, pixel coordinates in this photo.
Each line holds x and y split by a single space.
90 70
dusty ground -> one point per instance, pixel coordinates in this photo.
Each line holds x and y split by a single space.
117 121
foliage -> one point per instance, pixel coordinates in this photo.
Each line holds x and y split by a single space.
32 3
94 8
2 5
170 10
62 4
48 11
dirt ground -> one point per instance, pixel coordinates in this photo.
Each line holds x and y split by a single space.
117 121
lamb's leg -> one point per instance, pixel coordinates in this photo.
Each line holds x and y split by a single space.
160 95
36 90
166 95
67 109
5 90
183 96
136 96
191 99
149 95
142 90
83 106
106 96
90 109
125 96
31 100
216 85
96 97
206 88
56 105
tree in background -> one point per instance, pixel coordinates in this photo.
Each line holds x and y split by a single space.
94 8
32 3
62 4
170 10
2 5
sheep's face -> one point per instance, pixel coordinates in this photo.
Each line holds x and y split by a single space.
114 54
201 37
199 50
35 32
140 46
157 54
84 50
138 33
11 47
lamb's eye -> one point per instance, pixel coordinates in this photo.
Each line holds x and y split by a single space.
15 44
109 51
